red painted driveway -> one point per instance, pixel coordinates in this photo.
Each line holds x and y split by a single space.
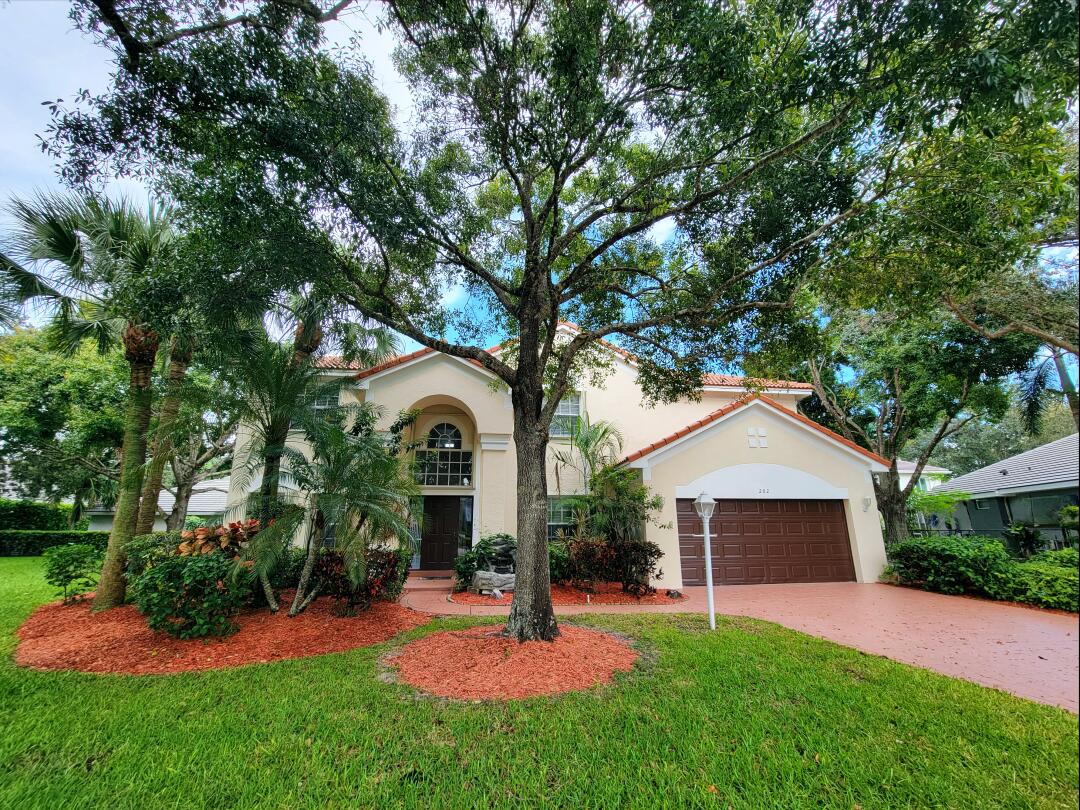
1032 653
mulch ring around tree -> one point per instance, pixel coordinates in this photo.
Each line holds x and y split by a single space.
119 641
604 593
481 664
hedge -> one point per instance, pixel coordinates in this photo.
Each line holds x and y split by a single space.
20 543
34 515
980 566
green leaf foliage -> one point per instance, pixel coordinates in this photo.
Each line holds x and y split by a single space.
72 568
980 566
190 597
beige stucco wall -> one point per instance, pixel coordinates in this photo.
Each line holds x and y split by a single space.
451 390
790 446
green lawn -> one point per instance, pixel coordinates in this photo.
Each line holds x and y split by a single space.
751 716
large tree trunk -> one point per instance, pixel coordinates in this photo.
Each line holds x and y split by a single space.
179 360
140 350
531 617
175 521
1067 386
893 507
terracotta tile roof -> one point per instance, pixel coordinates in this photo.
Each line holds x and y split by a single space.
739 403
725 380
731 380
332 361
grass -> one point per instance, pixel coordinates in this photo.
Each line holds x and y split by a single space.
751 716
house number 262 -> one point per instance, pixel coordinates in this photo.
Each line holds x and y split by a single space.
763 491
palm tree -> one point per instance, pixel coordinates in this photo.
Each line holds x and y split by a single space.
354 483
99 265
593 446
282 385
180 354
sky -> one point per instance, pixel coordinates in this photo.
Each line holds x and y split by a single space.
43 58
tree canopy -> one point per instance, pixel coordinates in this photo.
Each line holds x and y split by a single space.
556 144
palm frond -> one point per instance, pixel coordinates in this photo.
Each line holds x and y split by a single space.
1032 395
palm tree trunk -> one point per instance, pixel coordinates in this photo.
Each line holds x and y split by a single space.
140 350
314 541
179 360
306 341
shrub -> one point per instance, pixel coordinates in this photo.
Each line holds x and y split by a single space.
376 575
1044 584
490 553
34 515
559 557
149 549
1062 558
592 559
191 596
631 563
980 566
635 565
30 543
286 574
73 568
952 564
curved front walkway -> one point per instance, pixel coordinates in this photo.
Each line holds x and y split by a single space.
1032 653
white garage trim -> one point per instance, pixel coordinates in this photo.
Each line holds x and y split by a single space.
763 482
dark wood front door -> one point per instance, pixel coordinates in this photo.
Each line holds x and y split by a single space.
767 541
439 537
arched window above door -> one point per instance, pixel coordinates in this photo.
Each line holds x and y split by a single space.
444 436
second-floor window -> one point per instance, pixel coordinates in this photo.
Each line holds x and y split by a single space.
567 415
443 463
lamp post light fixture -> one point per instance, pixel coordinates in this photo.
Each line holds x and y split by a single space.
705 506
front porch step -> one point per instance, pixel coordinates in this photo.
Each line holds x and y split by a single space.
429 580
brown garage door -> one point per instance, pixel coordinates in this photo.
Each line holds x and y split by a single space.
767 541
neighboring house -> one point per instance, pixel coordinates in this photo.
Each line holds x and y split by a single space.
795 500
931 478
1030 489
208 502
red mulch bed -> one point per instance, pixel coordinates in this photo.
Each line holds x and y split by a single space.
119 640
481 664
606 593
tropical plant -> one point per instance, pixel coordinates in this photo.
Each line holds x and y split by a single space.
1027 539
591 447
353 484
72 568
107 271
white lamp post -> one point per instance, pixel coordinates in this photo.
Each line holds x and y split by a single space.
705 506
